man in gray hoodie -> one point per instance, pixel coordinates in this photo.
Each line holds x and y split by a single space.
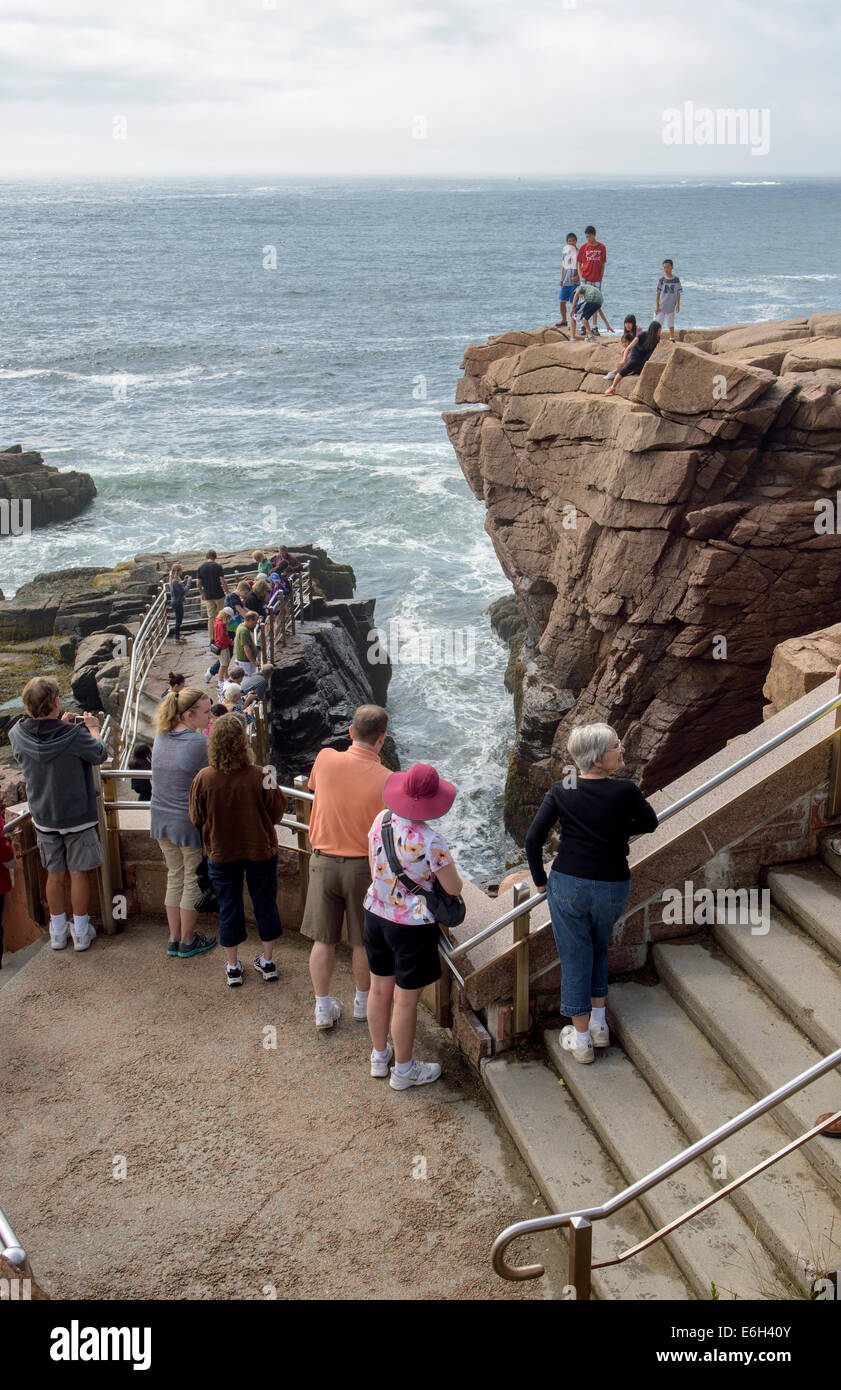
56 755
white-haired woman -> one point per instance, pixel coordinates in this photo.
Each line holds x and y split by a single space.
589 881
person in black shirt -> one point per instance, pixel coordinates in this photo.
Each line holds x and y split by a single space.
589 881
211 578
637 355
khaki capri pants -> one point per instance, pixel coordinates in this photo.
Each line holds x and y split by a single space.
181 864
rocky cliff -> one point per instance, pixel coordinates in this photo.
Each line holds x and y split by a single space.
662 541
48 495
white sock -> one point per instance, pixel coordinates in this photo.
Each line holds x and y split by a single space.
582 1039
403 1067
323 1001
236 966
597 1015
80 924
58 924
380 1056
361 996
263 961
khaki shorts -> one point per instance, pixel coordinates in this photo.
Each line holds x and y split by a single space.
212 607
77 851
336 892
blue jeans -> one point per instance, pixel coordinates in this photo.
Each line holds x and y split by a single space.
261 877
178 615
584 912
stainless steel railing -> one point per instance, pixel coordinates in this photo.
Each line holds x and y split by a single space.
580 1222
11 1248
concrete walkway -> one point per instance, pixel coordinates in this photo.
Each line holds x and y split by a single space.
248 1169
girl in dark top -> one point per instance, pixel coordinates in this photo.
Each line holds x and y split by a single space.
179 583
141 757
589 881
637 355
630 332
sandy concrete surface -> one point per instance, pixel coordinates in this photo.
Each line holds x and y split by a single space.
250 1171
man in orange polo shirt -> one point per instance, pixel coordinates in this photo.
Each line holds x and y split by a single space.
348 791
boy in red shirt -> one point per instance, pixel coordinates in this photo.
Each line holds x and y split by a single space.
592 258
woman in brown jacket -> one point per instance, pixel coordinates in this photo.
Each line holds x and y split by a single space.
236 815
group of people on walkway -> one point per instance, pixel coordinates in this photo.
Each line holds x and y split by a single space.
377 857
582 276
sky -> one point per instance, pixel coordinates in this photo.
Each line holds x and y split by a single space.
414 88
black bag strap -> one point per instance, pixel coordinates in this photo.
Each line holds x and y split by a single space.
394 863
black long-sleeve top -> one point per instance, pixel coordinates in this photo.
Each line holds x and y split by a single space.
597 816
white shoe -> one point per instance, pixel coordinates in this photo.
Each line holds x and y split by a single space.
421 1073
569 1042
326 1017
360 1011
600 1034
381 1068
58 940
208 676
83 942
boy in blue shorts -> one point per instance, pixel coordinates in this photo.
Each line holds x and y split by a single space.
569 277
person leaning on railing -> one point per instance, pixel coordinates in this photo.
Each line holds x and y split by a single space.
236 813
589 881
178 753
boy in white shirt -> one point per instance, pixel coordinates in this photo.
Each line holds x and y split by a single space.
569 277
668 298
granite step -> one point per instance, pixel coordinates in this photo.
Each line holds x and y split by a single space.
791 1209
717 1247
756 1039
572 1171
811 895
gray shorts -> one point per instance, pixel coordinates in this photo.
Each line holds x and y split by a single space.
78 850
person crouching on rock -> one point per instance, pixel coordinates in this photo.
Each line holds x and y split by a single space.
401 934
589 881
636 355
56 755
236 813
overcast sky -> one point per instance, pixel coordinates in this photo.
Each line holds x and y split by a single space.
538 88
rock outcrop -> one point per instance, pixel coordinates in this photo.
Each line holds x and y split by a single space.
662 541
32 493
799 665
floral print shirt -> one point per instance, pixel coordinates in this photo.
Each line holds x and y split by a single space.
422 851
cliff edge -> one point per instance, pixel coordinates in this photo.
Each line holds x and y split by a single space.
662 541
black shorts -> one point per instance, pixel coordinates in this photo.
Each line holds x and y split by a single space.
410 954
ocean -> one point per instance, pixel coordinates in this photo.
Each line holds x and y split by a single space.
237 362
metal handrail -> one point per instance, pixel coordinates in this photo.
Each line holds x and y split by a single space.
586 1215
11 1248
680 805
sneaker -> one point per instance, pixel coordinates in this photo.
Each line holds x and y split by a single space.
234 973
195 946
58 940
326 1017
208 676
268 971
360 1010
600 1034
172 948
421 1073
569 1042
381 1068
85 939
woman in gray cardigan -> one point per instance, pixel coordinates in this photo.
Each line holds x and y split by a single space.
179 751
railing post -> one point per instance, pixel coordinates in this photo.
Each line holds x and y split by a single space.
30 861
303 809
292 610
106 890
443 1005
111 844
522 925
833 801
580 1257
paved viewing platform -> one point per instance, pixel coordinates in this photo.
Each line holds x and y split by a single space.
246 1165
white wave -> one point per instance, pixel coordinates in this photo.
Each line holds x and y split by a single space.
754 183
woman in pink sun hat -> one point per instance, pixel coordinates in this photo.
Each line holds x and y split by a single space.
401 935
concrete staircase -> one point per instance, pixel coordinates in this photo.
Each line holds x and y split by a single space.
734 1015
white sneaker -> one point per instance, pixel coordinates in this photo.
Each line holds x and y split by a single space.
381 1068
600 1034
58 940
83 942
326 1017
208 676
360 1010
569 1042
421 1073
